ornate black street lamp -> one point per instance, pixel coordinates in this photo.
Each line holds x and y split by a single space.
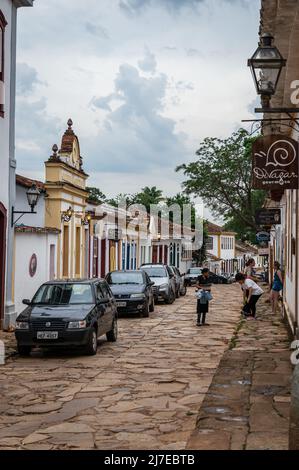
266 66
32 194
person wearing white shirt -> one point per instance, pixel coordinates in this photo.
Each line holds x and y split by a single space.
251 292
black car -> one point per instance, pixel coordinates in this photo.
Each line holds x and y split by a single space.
133 291
68 313
218 279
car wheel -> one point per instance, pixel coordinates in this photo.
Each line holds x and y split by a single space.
152 306
24 350
112 334
170 299
184 291
92 343
145 311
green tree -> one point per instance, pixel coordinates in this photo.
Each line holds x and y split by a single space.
149 196
95 195
221 176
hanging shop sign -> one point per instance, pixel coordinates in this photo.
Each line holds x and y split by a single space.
263 237
268 217
264 252
275 163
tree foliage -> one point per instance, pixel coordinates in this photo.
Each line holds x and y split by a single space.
95 194
221 176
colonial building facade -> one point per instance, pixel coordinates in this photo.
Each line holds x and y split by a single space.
8 32
281 19
221 249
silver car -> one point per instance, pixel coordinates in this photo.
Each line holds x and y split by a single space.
164 287
179 281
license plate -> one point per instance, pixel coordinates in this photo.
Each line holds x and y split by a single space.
47 335
121 304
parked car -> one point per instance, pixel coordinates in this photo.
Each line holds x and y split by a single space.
220 279
192 275
177 280
68 313
133 291
180 281
164 287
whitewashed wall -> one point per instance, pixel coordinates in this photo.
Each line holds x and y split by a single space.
32 220
27 244
6 7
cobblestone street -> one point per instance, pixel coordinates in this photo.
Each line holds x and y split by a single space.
143 392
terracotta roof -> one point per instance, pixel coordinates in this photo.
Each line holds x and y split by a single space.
213 257
28 229
28 182
67 141
216 229
245 247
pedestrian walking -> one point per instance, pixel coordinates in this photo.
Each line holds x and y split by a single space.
277 286
203 297
249 270
251 294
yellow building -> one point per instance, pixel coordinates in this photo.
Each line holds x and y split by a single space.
65 207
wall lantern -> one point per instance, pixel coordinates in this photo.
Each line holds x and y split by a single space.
67 215
266 65
32 194
86 219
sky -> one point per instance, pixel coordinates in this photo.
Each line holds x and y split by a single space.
144 81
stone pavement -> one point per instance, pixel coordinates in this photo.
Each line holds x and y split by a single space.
248 403
143 392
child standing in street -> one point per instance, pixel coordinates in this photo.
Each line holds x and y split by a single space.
203 283
277 286
251 293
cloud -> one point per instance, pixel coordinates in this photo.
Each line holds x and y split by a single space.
137 6
27 79
36 132
148 63
194 53
136 136
96 30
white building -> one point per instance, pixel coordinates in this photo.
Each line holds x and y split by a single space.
34 260
8 20
221 249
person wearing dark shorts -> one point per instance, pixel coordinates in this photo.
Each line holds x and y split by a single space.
204 283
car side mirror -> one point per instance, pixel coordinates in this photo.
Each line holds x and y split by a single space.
26 302
102 301
171 276
151 283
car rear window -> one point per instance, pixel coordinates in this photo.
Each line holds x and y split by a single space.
125 278
194 271
155 271
63 294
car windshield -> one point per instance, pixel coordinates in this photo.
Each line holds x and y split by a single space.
125 278
194 271
155 271
63 294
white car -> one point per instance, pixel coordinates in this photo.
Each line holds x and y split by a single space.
192 275
164 287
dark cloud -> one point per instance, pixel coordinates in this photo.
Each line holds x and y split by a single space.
136 136
27 79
